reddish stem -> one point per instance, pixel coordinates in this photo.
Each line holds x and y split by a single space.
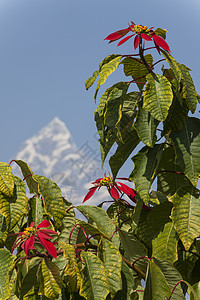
149 259
69 209
70 235
27 176
174 288
157 62
114 233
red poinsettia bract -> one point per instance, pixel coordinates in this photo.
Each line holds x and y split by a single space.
115 188
148 34
38 234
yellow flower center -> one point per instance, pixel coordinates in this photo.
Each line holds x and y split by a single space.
106 181
140 29
29 231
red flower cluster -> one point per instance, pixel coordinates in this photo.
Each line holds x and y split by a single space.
32 235
139 31
113 187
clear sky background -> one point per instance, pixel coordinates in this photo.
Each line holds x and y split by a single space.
48 48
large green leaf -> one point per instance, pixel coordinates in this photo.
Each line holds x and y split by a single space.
29 280
92 230
152 222
133 249
13 208
182 72
190 92
106 70
145 167
101 220
196 288
6 179
52 197
172 277
174 66
68 223
50 279
186 214
18 203
37 210
134 67
112 260
186 263
170 177
177 115
114 103
27 172
124 150
145 126
127 283
187 144
6 263
156 286
94 285
165 244
71 271
5 209
158 96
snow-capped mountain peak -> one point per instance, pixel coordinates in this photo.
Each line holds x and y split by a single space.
52 153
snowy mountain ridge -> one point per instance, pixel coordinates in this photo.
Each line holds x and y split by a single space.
52 153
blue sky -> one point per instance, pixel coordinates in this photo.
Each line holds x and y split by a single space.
48 48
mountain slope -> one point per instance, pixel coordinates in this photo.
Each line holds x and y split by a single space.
52 153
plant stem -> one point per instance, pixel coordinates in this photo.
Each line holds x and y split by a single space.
141 50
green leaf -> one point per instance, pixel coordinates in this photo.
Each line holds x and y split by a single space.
112 260
6 262
18 203
156 286
93 230
165 244
145 126
161 32
177 115
101 220
6 179
172 277
186 214
152 222
106 70
174 66
26 171
127 283
71 271
30 278
5 209
114 103
37 210
68 223
134 67
89 82
146 164
158 96
52 197
124 150
190 92
133 248
196 288
187 144
186 263
50 279
168 181
94 284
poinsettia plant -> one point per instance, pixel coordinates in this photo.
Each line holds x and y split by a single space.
144 244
